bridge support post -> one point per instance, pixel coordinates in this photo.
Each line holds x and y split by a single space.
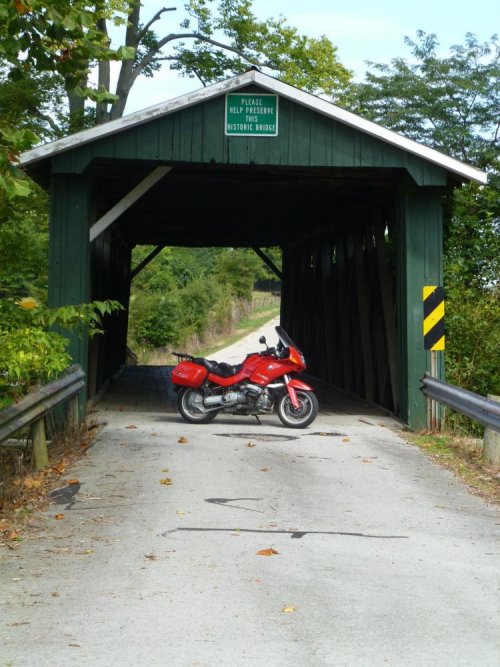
420 262
69 258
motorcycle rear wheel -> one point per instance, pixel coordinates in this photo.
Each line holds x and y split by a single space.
190 404
299 417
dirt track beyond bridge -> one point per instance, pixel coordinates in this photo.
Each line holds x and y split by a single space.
378 557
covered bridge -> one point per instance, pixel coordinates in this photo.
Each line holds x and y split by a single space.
253 162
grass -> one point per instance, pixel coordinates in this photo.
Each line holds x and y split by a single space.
252 322
462 455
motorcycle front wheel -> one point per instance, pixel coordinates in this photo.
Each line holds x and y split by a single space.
299 417
190 404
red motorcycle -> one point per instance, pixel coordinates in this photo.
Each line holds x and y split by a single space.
262 382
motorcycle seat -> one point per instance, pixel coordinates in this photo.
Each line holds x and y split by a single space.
221 369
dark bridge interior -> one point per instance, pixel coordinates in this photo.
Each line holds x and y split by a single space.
206 205
338 231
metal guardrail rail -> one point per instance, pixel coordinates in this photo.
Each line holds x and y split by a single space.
31 411
467 402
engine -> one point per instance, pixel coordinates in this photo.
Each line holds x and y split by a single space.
245 399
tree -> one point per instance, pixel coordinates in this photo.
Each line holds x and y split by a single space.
452 104
213 41
449 103
40 39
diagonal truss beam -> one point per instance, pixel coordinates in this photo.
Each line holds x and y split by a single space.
268 261
126 202
145 261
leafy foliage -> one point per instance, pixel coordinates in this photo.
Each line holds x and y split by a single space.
183 293
31 352
24 246
230 38
450 103
41 39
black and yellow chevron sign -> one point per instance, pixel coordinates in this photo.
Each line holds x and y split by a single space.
433 317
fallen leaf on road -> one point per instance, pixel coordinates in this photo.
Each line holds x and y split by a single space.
164 469
180 513
345 440
72 481
58 517
32 483
264 469
251 444
151 556
55 594
167 481
366 461
13 535
289 609
267 552
60 467
153 435
131 426
182 440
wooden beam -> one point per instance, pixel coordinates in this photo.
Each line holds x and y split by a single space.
268 262
126 202
146 261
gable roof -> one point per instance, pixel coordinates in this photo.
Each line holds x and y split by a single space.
467 172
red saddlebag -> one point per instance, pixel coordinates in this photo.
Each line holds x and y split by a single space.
189 374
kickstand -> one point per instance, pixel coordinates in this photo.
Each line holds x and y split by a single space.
257 418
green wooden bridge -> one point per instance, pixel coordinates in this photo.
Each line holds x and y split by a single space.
253 162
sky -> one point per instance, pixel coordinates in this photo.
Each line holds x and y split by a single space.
363 30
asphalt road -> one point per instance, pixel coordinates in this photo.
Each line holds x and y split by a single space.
382 558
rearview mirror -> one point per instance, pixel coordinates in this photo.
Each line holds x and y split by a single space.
262 340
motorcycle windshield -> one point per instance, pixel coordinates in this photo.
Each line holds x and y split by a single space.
285 339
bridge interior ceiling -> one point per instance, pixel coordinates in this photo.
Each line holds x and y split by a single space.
237 206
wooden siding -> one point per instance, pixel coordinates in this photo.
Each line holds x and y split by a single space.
196 134
339 303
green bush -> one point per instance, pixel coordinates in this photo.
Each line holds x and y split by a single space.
238 268
155 320
30 352
472 357
196 301
473 340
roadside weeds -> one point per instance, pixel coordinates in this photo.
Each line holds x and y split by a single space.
461 455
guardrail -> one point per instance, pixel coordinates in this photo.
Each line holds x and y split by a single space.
32 409
467 402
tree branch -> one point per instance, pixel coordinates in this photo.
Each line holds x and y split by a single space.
51 122
153 20
191 35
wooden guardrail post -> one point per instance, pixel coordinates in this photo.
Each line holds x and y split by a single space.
491 442
73 413
39 443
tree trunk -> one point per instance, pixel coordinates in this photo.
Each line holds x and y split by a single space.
76 109
102 113
126 76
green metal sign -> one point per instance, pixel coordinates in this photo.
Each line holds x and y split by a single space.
251 114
